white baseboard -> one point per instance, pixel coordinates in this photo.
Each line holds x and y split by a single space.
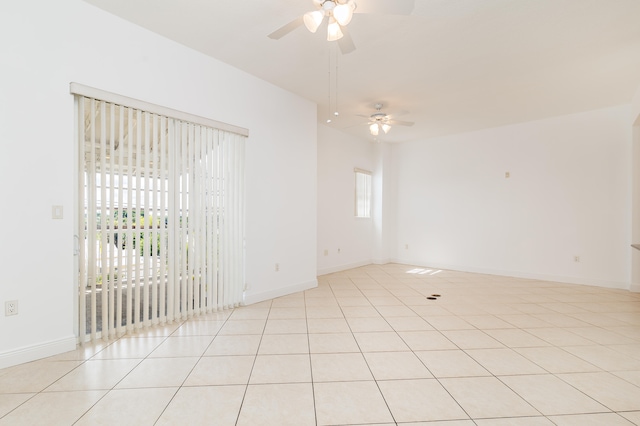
250 299
518 274
381 261
39 351
340 268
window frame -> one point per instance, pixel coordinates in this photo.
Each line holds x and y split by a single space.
362 200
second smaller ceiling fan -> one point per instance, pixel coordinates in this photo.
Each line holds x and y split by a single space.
380 122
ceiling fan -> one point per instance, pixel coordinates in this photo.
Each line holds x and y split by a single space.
382 122
339 14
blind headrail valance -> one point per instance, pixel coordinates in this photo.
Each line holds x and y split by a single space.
92 92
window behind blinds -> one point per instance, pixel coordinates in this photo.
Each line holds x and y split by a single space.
161 209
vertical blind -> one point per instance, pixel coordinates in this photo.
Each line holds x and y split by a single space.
161 218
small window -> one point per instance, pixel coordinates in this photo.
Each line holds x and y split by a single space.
363 193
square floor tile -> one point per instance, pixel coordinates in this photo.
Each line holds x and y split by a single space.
234 345
420 400
221 370
286 326
341 403
128 407
249 326
10 401
204 405
186 346
34 376
426 340
324 312
515 338
409 324
472 339
552 396
332 343
504 362
368 324
452 363
339 367
556 360
328 325
483 397
158 372
605 358
380 342
448 322
396 365
281 369
53 408
611 391
199 328
278 405
282 344
96 375
287 313
559 337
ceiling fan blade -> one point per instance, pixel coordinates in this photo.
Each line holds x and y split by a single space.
397 114
287 28
400 123
346 42
386 7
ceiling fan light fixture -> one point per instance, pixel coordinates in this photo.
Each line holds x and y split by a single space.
374 129
312 20
344 12
386 128
333 30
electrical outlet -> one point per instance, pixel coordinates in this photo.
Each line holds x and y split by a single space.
576 259
326 252
11 308
507 175
406 246
277 267
338 251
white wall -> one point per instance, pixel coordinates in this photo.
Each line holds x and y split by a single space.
338 154
568 195
46 45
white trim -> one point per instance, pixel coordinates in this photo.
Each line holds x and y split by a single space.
39 351
517 274
340 268
250 299
92 92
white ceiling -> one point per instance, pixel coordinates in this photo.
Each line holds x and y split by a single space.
452 65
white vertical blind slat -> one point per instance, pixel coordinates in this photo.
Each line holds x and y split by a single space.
120 209
104 268
138 211
79 104
163 212
130 217
111 248
146 224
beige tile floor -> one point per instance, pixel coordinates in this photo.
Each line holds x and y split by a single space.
364 348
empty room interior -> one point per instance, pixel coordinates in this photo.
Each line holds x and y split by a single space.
320 212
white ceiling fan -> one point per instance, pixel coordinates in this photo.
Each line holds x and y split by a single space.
382 122
339 14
